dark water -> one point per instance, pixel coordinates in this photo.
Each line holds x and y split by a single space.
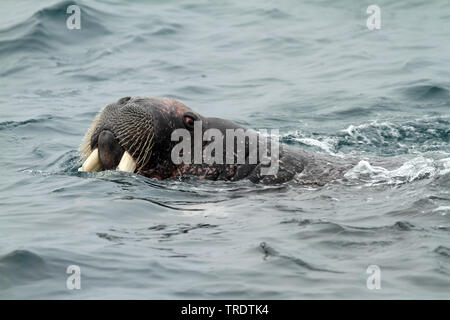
311 69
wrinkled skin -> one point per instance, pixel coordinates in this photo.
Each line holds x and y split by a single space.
143 126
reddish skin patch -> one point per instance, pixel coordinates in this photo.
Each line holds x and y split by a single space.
171 106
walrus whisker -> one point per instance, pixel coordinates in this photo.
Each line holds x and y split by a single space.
85 147
144 160
135 139
144 147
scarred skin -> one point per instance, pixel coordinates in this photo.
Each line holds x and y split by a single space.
143 126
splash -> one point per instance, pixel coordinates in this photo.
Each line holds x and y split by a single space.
416 169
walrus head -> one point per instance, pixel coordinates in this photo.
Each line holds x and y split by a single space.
134 135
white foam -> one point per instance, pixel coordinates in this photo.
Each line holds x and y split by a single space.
446 166
442 208
324 145
415 169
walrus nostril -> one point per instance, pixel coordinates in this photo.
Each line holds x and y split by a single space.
109 150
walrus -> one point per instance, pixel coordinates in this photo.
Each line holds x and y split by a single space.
135 134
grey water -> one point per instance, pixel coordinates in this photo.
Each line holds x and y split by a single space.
311 69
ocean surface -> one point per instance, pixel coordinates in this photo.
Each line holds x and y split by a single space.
311 69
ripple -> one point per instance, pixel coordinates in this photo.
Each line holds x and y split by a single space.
159 232
333 227
427 92
270 252
443 251
21 266
46 30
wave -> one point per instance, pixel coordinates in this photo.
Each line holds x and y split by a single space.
334 228
13 124
46 30
162 232
412 170
385 138
21 266
429 134
268 251
427 92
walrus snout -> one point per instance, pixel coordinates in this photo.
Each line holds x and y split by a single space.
109 150
119 136
108 154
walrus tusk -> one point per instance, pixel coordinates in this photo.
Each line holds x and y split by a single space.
127 163
92 163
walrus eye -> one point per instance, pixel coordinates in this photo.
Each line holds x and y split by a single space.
189 121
